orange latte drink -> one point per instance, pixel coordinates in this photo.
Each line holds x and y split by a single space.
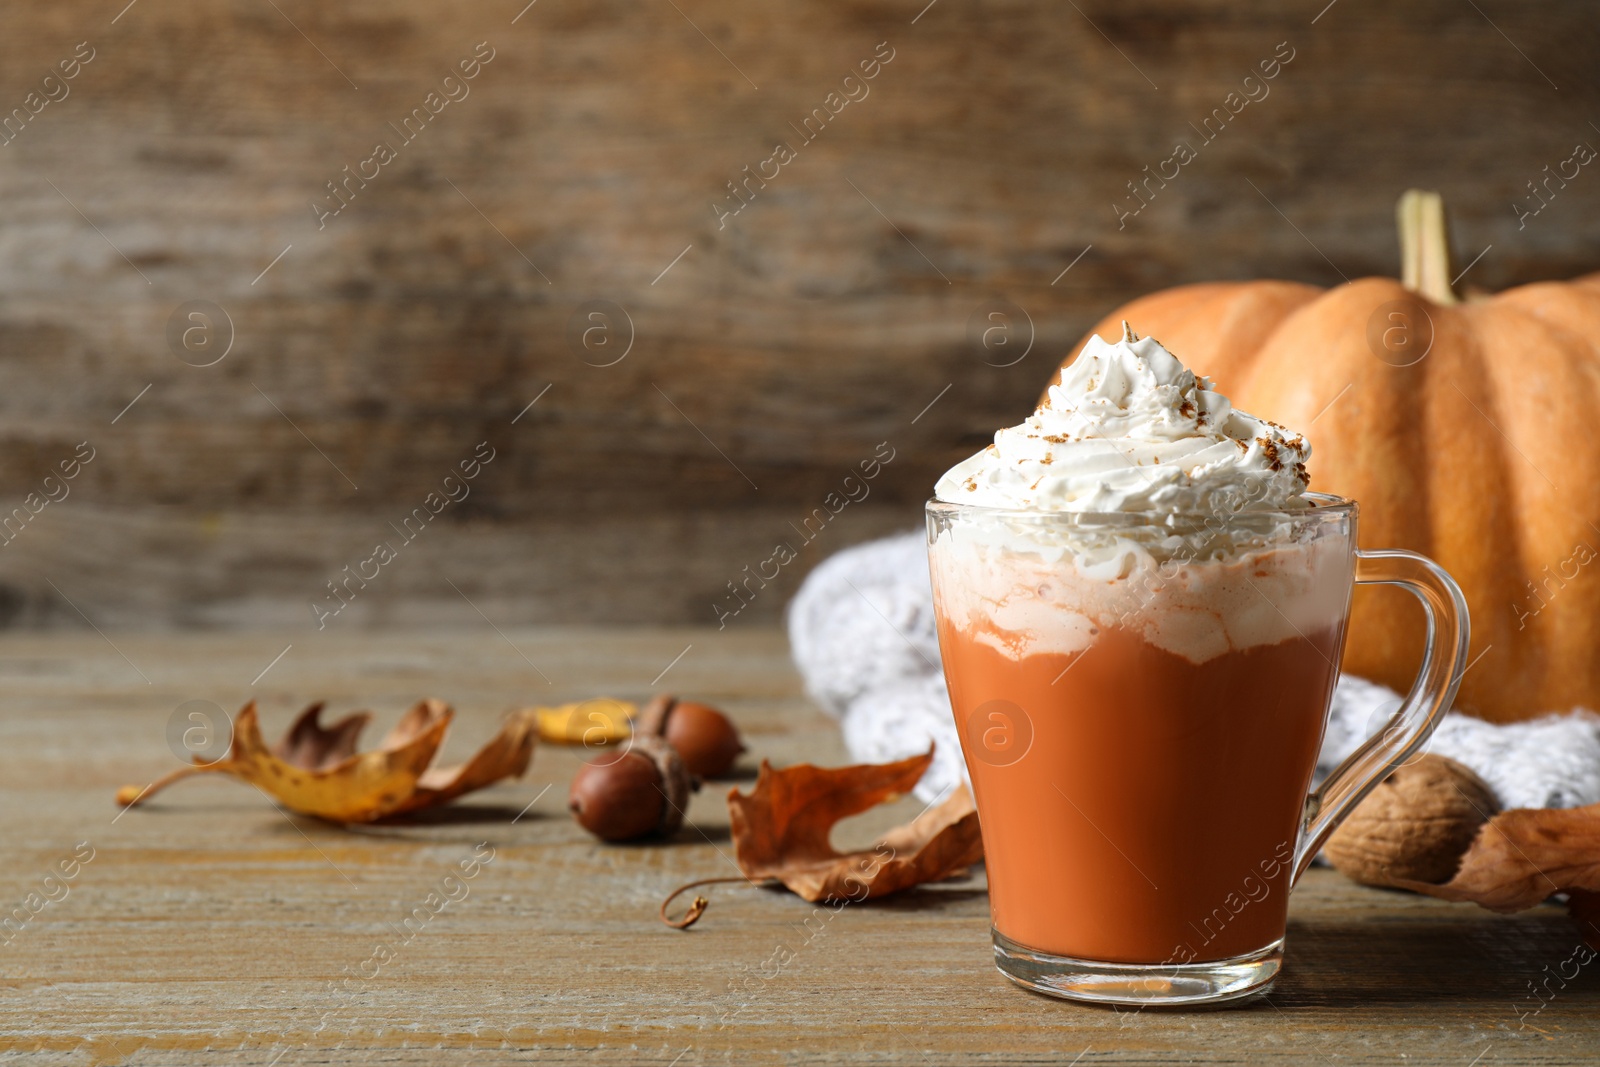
1141 611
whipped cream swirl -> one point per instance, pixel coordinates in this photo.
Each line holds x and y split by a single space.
1128 428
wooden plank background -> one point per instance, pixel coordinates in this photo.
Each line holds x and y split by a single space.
208 926
780 348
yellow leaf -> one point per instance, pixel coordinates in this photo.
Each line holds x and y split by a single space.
316 770
596 721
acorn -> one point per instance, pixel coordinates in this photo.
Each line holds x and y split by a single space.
705 737
641 793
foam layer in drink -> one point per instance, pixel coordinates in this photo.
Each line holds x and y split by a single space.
1028 593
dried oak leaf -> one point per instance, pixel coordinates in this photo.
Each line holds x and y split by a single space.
506 755
597 721
315 769
781 830
315 747
1524 856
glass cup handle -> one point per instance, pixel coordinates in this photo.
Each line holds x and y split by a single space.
1443 661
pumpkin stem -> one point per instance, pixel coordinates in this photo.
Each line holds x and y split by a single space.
1424 246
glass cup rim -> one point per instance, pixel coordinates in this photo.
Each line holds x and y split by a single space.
1322 505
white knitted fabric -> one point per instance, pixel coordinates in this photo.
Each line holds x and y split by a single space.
862 631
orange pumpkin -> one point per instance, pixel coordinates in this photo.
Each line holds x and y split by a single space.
1468 431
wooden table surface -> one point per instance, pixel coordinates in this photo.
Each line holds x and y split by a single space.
211 928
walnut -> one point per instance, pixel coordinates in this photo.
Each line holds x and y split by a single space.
1415 825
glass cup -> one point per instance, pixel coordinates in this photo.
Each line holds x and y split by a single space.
1140 700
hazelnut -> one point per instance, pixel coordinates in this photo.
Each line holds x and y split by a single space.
1415 826
705 737
641 793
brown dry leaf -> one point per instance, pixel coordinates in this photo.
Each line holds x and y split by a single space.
597 721
315 770
1523 857
315 747
781 830
507 755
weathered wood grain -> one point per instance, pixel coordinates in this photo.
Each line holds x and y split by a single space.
775 353
207 927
